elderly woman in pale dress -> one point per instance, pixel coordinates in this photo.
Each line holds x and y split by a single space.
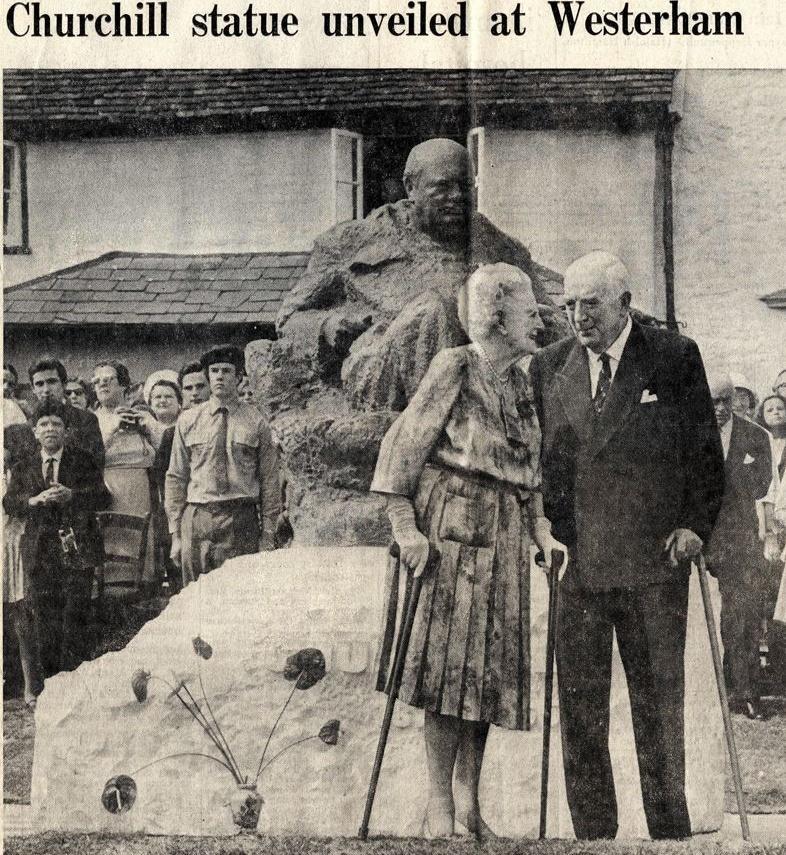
461 470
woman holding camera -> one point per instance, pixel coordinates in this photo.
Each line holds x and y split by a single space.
130 450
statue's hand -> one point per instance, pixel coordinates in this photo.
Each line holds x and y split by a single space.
339 331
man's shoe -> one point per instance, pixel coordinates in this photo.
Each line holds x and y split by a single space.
752 710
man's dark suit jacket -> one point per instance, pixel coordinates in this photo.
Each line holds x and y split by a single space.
83 431
652 464
77 471
733 547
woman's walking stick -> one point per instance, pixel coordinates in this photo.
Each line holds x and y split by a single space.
724 701
551 637
411 597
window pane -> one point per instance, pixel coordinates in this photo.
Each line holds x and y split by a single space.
9 163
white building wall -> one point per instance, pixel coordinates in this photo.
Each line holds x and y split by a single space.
565 193
201 194
730 218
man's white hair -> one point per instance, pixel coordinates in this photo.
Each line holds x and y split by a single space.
602 268
720 383
481 295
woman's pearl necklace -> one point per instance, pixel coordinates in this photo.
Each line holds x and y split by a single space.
503 381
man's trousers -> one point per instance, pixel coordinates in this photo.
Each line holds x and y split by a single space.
650 624
60 599
740 624
212 533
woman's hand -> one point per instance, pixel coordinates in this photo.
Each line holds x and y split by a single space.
546 543
412 543
414 548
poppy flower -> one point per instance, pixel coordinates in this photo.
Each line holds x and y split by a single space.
202 648
329 731
119 794
139 684
307 666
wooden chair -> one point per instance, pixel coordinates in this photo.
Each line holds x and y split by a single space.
130 526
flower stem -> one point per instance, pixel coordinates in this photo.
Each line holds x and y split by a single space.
275 725
202 722
207 727
284 751
218 726
183 754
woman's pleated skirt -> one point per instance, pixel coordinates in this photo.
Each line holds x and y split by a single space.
469 653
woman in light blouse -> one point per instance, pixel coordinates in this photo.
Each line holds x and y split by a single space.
461 471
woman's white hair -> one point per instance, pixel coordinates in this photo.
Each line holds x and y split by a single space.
481 297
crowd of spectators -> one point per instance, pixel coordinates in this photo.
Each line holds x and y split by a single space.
83 456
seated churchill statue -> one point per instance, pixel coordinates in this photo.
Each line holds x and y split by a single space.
378 299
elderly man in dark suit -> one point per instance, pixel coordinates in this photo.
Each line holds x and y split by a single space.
633 479
735 553
58 490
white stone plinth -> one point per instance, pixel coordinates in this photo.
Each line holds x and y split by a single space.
256 610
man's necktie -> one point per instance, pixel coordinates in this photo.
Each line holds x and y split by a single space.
222 474
604 383
49 478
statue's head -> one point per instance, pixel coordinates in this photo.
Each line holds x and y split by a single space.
437 178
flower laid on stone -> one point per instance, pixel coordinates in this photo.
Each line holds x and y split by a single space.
306 668
202 648
119 794
139 684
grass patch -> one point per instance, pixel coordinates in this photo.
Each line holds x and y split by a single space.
87 844
761 746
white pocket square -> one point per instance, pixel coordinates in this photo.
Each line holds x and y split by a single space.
748 459
648 397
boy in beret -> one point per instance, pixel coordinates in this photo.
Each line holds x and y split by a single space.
222 493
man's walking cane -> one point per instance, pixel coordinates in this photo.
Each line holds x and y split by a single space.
724 701
411 597
551 637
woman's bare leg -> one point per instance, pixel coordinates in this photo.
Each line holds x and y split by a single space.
469 762
442 734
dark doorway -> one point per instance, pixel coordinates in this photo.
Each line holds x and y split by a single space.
384 157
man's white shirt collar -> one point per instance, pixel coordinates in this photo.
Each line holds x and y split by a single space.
231 406
56 455
46 457
725 433
614 350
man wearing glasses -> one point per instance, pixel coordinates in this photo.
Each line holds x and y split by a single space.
779 386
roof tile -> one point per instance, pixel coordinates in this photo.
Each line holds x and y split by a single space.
95 98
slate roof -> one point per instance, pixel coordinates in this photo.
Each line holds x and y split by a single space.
157 288
141 288
132 97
